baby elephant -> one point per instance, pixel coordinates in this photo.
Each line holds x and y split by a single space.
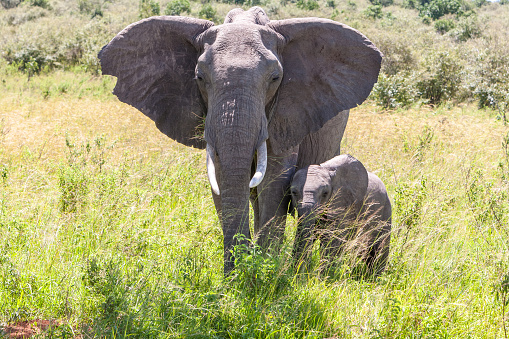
346 207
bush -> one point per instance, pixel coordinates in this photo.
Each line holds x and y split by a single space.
383 3
176 7
393 91
441 78
444 25
148 8
90 7
398 55
374 11
436 9
40 3
30 59
308 4
490 83
29 14
208 12
467 28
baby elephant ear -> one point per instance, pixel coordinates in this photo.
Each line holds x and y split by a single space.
154 60
328 67
349 175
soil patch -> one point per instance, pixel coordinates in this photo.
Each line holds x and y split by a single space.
26 329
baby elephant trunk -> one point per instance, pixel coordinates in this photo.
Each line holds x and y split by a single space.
308 218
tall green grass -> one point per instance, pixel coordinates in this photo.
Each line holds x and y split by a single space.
109 227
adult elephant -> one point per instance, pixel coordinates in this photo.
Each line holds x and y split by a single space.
275 90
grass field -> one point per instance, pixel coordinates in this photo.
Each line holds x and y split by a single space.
108 227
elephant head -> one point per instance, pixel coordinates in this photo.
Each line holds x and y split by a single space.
333 191
249 85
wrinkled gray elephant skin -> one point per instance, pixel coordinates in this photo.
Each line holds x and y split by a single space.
250 88
340 201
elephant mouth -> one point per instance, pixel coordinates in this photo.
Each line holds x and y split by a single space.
261 167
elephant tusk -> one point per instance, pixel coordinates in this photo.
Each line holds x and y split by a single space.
211 170
261 165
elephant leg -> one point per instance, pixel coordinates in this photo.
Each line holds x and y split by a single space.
379 253
273 198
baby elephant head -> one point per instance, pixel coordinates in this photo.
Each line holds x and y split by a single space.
335 189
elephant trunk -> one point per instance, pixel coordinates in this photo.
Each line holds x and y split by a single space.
261 167
236 129
305 231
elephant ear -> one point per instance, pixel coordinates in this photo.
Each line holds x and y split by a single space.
154 60
328 67
349 180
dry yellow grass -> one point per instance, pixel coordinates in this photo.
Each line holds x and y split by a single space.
42 127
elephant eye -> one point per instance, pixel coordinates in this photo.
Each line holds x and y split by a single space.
275 76
325 194
198 76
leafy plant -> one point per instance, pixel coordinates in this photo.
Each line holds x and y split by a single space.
308 4
435 9
441 79
208 12
444 25
374 11
383 3
41 3
258 275
393 91
148 8
176 7
467 27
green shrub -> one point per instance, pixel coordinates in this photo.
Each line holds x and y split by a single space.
468 27
30 59
29 14
490 83
409 200
331 3
308 4
90 7
480 3
148 8
374 11
398 53
383 3
441 79
208 12
73 185
176 7
444 25
436 9
257 275
393 91
40 3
